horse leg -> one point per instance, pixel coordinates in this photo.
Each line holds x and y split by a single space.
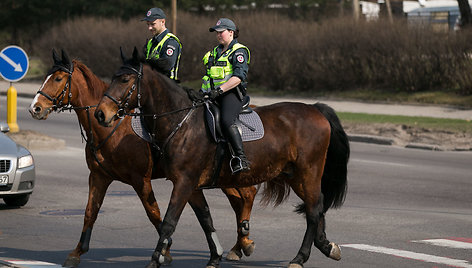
98 186
143 188
241 200
330 249
200 206
310 193
312 218
181 193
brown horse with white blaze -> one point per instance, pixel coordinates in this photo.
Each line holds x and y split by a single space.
71 85
304 148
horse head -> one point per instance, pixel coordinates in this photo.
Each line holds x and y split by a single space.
54 93
122 95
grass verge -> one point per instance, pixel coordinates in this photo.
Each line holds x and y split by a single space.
450 125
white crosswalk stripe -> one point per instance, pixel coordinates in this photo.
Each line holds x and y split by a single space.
446 243
451 243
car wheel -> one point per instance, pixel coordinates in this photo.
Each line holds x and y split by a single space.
17 200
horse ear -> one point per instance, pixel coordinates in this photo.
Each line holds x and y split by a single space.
65 58
55 57
135 55
123 58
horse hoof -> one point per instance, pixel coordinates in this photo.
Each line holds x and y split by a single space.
234 255
294 265
71 262
153 264
249 249
335 253
167 260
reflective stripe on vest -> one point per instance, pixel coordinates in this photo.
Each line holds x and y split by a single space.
157 50
221 70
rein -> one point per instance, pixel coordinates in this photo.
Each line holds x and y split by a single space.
190 109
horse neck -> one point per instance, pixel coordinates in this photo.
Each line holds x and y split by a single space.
87 94
88 87
161 96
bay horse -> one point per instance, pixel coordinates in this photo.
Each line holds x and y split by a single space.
304 148
72 85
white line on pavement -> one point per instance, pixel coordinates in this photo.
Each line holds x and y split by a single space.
411 255
446 243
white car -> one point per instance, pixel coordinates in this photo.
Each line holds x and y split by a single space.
17 171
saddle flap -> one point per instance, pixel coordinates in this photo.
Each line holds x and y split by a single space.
212 117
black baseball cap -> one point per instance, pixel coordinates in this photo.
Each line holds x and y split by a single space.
223 24
154 14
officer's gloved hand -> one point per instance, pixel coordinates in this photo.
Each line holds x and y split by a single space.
214 93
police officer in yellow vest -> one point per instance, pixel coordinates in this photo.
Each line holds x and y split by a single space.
164 46
225 82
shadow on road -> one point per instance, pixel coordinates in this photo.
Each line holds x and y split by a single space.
131 257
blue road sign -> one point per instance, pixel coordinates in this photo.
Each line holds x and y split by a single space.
13 63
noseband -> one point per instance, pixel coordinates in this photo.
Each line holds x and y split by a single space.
57 101
124 103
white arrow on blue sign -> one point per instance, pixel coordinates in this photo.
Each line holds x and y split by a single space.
13 63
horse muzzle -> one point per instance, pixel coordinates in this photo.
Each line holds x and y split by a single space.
103 119
39 113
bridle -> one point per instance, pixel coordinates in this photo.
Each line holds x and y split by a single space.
57 101
124 103
59 107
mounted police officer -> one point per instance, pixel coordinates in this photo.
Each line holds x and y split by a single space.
164 46
227 66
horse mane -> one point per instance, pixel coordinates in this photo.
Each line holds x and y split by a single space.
95 85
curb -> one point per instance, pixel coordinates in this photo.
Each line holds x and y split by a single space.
370 139
388 141
33 140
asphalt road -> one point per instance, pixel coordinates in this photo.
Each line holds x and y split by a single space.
404 208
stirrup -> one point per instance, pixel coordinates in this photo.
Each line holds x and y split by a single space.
238 166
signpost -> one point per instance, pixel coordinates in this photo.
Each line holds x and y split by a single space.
13 67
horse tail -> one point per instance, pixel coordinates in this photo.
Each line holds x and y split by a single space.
334 180
275 192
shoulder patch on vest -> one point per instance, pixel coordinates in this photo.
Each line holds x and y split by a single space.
170 52
240 58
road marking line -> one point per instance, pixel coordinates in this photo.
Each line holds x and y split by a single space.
22 262
411 255
446 243
381 163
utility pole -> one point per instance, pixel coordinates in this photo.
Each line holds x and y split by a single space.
356 10
174 17
389 11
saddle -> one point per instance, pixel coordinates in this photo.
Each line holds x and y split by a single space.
249 123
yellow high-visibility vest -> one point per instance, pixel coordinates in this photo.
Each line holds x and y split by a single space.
157 50
221 69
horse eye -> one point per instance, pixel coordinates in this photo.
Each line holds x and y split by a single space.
58 79
125 79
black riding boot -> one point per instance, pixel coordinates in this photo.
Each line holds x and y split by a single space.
239 161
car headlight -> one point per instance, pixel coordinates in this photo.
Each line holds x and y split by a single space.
25 161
